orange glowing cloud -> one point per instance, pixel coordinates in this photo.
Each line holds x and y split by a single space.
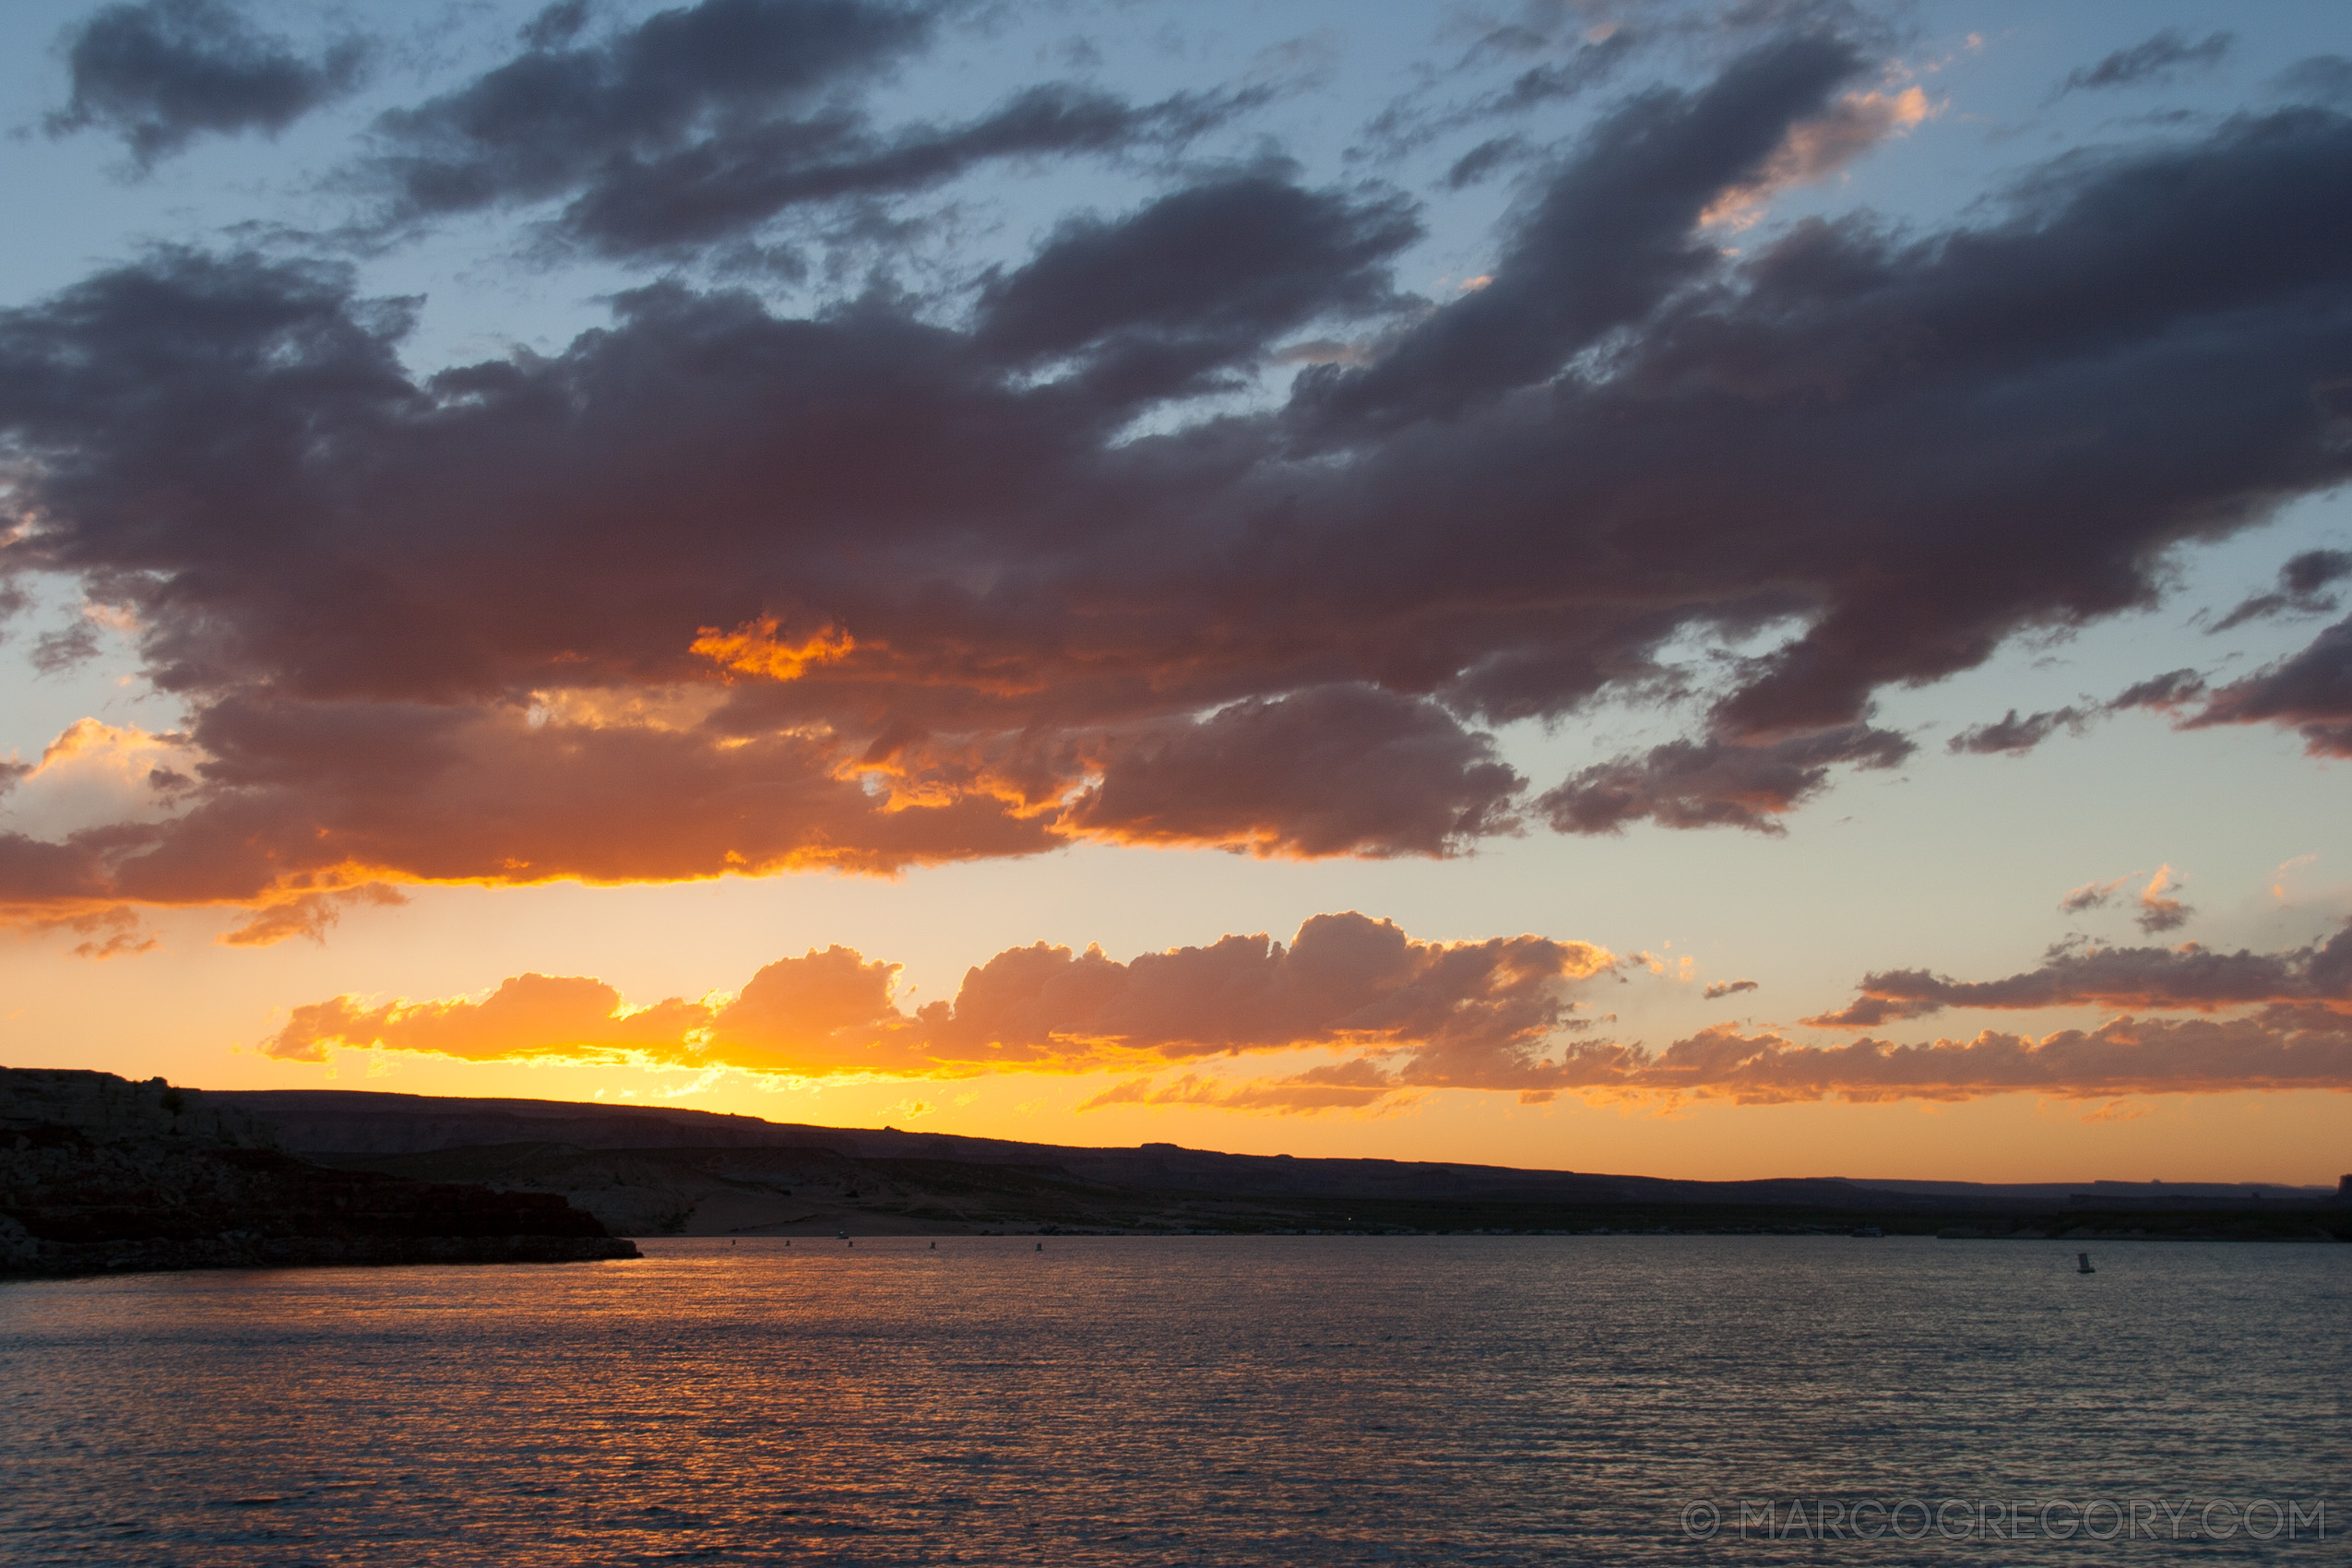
753 649
529 1016
287 809
272 802
1397 1018
1468 1012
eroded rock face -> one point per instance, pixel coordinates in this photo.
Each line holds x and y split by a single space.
105 1107
99 1174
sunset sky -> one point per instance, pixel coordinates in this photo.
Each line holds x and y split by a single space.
1709 590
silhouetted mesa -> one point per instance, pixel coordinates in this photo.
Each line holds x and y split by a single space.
101 1175
661 1170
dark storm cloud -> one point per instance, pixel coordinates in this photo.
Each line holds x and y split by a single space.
1609 238
2159 59
705 122
2323 78
715 589
2040 317
1335 770
2189 979
543 123
161 73
733 182
2299 582
1199 279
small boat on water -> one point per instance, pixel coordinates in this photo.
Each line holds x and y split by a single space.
2083 1264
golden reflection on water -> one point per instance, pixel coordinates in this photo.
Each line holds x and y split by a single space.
1144 1400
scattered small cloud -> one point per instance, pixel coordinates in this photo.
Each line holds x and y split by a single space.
2188 978
161 73
2301 583
2278 877
2159 59
308 914
112 933
2013 736
2163 692
2159 909
2091 895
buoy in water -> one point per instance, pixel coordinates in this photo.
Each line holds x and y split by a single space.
2083 1264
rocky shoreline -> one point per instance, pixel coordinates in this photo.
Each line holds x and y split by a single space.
101 1175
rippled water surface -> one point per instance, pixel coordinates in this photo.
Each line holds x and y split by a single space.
1116 1400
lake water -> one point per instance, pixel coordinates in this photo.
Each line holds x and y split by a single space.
1198 1399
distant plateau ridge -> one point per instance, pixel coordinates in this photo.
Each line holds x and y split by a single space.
109 1174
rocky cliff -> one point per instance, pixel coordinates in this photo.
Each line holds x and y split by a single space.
99 1174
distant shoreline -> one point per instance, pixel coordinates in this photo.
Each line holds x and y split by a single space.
108 1176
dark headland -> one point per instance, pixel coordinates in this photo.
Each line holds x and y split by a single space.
99 1174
